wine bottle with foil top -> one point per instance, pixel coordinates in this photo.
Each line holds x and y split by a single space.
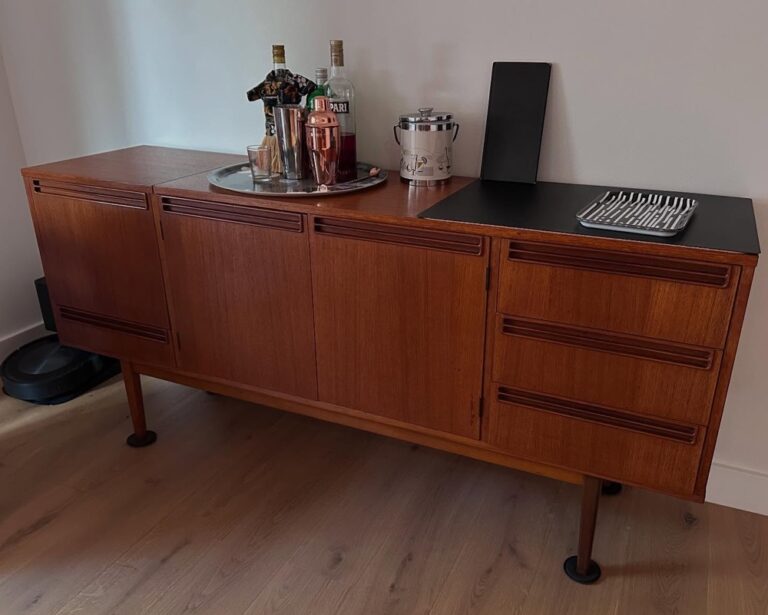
280 87
341 97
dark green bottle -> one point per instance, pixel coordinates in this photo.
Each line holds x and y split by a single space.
321 76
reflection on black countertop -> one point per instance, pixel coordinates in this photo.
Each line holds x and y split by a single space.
719 223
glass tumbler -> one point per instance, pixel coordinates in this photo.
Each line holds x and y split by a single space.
260 158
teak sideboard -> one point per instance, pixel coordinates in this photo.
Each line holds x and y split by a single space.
589 358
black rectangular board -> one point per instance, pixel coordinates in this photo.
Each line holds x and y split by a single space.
515 122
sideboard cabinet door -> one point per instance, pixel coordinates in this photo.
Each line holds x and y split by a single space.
240 292
400 318
102 265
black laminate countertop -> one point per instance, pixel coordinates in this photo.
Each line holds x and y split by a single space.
719 223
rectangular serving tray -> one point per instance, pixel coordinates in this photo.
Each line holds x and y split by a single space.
645 213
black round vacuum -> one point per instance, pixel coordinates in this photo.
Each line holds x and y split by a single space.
45 372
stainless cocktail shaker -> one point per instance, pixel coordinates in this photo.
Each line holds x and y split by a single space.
323 142
289 122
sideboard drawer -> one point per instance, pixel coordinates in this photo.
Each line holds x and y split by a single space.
664 379
671 299
610 444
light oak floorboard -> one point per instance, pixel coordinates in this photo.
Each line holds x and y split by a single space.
243 509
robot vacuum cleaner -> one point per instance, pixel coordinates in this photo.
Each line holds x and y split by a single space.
46 372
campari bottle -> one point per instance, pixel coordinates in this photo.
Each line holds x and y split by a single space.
341 95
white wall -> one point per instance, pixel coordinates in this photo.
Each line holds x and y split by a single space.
655 93
19 260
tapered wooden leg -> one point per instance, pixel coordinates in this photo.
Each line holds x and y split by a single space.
141 436
580 567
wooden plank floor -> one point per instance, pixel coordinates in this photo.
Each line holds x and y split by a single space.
244 509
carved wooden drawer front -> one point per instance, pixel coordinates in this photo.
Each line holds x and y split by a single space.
642 375
596 440
677 300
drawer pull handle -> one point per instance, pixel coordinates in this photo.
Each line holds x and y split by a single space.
156 334
268 218
95 194
685 434
689 272
389 233
699 358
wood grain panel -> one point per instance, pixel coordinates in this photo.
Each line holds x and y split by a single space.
139 167
388 233
604 450
729 355
615 262
97 194
113 342
678 432
400 330
241 299
233 213
636 374
104 260
116 324
631 346
101 259
671 309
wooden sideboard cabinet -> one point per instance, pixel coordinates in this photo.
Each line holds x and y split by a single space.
533 344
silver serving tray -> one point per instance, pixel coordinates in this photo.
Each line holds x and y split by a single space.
237 178
646 213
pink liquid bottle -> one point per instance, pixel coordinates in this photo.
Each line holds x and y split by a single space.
341 96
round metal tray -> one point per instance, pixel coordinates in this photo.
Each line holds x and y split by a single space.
237 178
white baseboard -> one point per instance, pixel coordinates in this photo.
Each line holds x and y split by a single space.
11 342
738 487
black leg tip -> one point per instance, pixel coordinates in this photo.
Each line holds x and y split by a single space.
611 488
593 574
139 441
